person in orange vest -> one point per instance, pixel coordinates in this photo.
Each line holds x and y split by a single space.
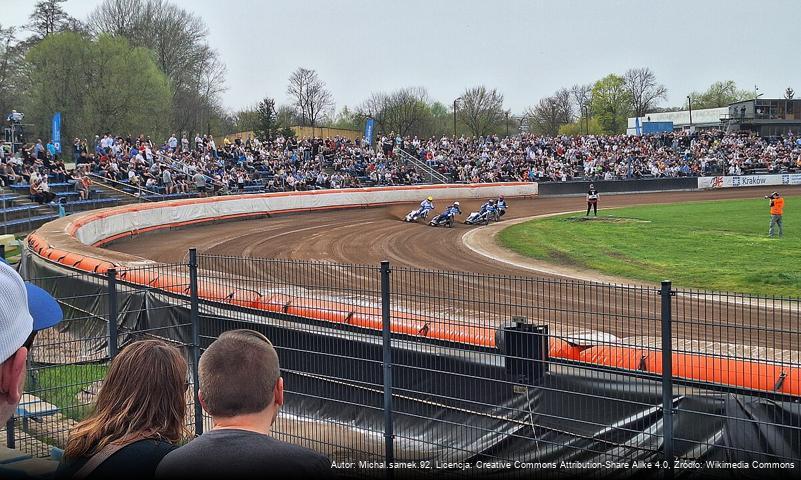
776 211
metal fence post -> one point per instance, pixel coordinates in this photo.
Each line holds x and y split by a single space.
389 435
666 293
112 313
2 251
194 320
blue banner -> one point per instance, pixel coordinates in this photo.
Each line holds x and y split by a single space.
657 127
56 138
368 131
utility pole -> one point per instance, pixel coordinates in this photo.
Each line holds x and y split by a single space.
455 101
690 106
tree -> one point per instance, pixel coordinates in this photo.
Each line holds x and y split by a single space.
720 94
582 97
347 119
178 40
580 127
245 120
309 96
48 17
267 121
10 69
481 110
611 103
441 119
550 113
98 86
643 90
287 116
404 111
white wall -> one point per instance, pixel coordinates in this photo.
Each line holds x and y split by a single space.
682 118
95 227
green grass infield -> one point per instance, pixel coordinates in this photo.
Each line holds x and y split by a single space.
714 245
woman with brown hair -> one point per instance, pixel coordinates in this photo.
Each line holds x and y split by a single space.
138 418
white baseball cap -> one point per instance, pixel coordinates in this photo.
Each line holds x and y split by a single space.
24 308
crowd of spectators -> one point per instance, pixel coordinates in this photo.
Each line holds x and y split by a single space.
529 157
200 164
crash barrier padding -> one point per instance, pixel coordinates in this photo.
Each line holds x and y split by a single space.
698 367
618 186
746 374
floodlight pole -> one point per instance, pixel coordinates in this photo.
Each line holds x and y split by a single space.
690 106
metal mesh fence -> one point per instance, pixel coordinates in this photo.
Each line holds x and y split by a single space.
451 370
67 363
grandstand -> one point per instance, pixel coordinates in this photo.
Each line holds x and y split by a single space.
132 170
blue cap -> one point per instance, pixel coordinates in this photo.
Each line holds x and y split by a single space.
44 309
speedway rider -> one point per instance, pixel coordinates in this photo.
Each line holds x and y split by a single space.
452 210
426 206
501 206
486 207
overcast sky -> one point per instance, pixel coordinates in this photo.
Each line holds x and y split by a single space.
526 49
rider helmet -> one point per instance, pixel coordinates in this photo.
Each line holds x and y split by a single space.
430 198
455 204
500 197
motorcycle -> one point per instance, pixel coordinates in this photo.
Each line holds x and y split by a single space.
485 217
442 220
415 215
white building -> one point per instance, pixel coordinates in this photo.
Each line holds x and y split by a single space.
701 119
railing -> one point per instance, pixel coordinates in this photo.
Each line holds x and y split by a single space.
137 195
433 175
385 362
170 161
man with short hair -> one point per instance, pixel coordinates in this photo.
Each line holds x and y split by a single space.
24 310
242 389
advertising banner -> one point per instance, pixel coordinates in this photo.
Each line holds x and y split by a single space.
57 131
749 180
791 179
368 131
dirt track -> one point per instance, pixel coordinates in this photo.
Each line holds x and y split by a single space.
367 236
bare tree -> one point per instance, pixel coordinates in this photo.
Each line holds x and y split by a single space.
550 113
11 60
481 110
309 95
582 97
118 17
644 91
565 101
298 90
319 101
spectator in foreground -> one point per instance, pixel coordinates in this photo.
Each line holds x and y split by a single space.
24 310
241 388
138 418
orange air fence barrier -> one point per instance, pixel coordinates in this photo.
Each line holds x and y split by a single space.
768 377
698 367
